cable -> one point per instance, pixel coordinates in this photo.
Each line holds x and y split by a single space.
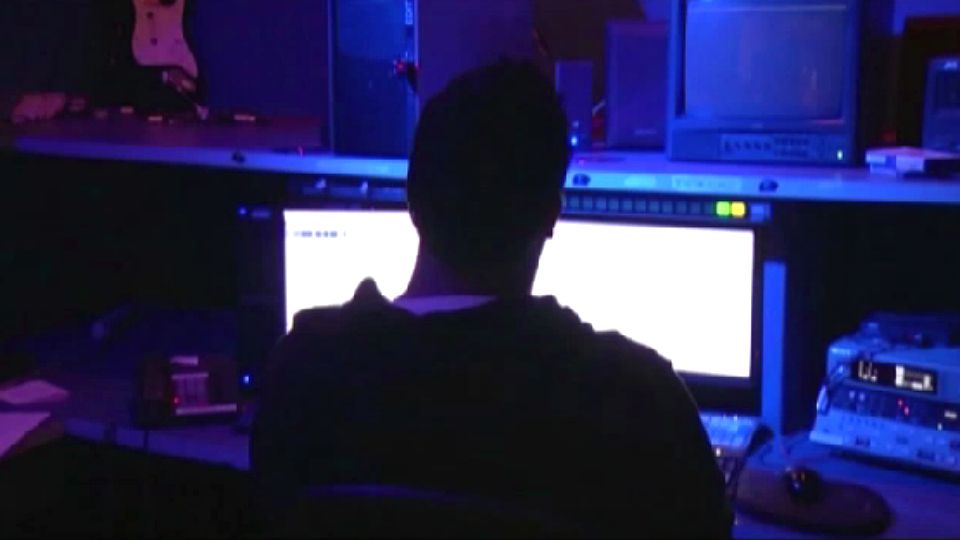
602 104
831 381
542 46
787 443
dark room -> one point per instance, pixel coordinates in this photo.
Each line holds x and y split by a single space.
480 268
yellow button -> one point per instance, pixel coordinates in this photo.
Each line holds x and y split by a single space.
738 209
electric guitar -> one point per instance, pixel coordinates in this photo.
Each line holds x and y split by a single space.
158 41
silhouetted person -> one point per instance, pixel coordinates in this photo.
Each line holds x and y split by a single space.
468 384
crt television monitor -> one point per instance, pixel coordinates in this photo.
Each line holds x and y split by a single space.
764 80
690 289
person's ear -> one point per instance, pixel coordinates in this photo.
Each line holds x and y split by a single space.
556 205
413 218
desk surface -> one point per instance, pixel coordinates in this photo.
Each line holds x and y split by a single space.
96 411
921 505
100 379
291 147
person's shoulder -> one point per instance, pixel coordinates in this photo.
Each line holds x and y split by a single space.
367 303
320 332
316 320
608 344
616 342
607 357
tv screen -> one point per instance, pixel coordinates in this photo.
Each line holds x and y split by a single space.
765 59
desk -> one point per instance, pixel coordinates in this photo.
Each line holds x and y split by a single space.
289 147
108 477
922 506
96 411
100 378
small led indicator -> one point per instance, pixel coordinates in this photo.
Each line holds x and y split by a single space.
723 208
246 379
574 140
839 155
738 209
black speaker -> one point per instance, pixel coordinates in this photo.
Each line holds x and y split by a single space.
924 38
636 88
388 57
941 106
574 83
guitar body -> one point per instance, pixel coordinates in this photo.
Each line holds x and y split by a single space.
158 39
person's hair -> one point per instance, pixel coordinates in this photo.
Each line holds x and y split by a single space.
489 158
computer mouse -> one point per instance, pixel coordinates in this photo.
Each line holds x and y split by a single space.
803 484
843 508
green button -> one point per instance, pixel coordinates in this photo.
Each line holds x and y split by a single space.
723 208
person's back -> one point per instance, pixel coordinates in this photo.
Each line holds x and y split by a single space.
466 383
514 400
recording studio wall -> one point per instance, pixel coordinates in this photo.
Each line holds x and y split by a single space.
268 57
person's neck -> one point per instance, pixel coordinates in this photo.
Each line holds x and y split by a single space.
433 277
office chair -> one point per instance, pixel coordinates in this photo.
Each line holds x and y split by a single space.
381 511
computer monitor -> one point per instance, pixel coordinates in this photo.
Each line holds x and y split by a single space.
764 81
688 291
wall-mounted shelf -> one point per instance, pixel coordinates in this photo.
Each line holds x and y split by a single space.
290 147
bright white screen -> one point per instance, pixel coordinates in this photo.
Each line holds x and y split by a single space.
685 291
327 253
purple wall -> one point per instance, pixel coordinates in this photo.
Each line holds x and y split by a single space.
270 56
266 56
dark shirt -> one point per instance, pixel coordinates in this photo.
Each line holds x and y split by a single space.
516 399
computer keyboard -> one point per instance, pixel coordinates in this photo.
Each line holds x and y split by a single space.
730 435
732 438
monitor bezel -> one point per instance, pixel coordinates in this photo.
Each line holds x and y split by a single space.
717 392
678 120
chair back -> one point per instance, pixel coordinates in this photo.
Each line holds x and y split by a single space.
383 511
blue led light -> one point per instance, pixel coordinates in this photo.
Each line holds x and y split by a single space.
574 140
242 210
246 379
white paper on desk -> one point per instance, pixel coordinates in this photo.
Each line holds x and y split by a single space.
33 391
16 425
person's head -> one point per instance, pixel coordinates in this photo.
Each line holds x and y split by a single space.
489 158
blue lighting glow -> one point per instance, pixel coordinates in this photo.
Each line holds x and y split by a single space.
574 140
839 155
245 378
